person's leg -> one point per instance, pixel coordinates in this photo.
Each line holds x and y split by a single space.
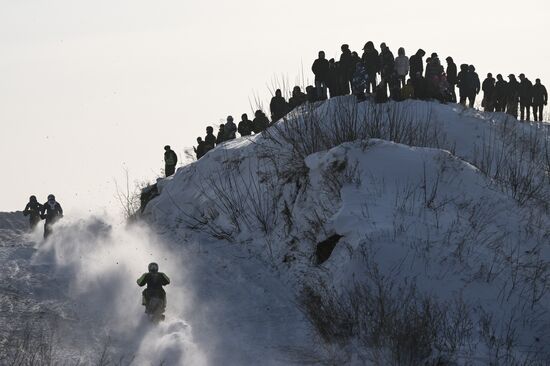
522 111
318 88
528 108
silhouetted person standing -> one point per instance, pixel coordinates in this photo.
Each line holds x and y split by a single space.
245 126
402 65
230 128
209 139
500 94
540 99
387 62
346 65
200 150
512 96
278 106
320 68
359 82
452 77
334 76
525 97
416 62
260 122
32 209
311 94
51 212
222 135
371 59
488 88
170 161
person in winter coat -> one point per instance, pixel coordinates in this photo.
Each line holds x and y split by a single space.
371 59
200 150
298 98
488 88
359 82
209 139
32 209
381 93
260 122
278 106
170 161
420 86
394 84
540 99
433 67
512 96
407 92
155 281
245 126
416 63
334 78
468 84
311 94
222 135
320 68
451 78
525 97
387 62
499 94
402 65
51 211
347 68
230 128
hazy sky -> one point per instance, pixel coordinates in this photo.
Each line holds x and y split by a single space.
89 88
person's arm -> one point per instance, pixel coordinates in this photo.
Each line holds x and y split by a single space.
59 209
142 280
165 279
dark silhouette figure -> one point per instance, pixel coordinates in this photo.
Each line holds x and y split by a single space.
452 78
434 71
32 209
200 150
387 62
335 78
499 94
311 94
407 92
371 59
155 281
320 69
416 63
261 122
525 97
245 126
170 161
469 84
346 65
402 65
488 88
51 211
209 139
298 98
222 135
381 93
512 96
394 84
420 86
359 82
540 99
278 106
230 128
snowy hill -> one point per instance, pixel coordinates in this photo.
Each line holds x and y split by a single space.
408 233
446 204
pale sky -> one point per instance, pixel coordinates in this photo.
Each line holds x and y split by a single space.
89 88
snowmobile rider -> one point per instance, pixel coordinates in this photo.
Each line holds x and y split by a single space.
33 209
154 281
51 211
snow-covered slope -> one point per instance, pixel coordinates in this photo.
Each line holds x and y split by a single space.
396 234
450 201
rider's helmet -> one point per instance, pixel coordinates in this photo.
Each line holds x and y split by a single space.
33 198
51 197
153 267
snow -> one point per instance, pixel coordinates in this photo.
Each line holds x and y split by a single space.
237 231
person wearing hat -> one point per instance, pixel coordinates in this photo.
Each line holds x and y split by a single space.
346 65
230 128
32 209
209 139
170 161
525 97
416 63
51 211
540 99
320 69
